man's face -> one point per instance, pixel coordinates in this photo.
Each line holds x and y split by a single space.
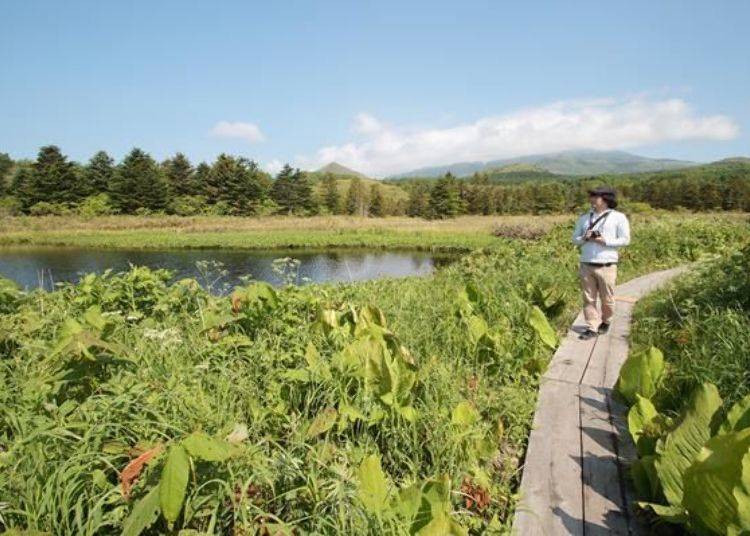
597 203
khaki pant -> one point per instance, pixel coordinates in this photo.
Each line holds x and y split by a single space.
598 281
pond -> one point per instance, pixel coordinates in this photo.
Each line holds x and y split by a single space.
33 267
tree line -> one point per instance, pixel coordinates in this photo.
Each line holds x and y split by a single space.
53 184
718 186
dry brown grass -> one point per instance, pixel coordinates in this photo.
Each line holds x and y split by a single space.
199 224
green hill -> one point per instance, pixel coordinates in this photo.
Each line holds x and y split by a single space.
334 168
584 162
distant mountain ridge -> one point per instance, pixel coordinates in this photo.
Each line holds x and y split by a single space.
562 163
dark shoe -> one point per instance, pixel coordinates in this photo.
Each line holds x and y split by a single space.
586 335
603 328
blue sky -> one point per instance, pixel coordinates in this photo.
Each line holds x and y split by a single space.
381 86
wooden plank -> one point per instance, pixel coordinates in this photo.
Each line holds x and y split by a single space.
567 364
550 495
603 498
573 480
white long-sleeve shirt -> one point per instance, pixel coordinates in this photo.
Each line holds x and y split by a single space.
615 230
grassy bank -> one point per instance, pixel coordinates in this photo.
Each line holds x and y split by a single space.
299 410
460 234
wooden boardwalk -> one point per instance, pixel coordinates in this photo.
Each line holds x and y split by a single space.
574 479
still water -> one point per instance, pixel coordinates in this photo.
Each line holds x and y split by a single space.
32 267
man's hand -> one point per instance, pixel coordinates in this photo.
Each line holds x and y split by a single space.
600 240
587 236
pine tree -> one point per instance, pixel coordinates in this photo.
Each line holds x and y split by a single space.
282 191
223 178
21 186
54 179
445 198
377 208
303 193
99 173
332 198
356 199
203 182
292 191
419 200
180 176
139 184
6 164
239 183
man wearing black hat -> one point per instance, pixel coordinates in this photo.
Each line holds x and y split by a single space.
600 233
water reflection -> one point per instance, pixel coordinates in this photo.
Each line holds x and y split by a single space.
38 266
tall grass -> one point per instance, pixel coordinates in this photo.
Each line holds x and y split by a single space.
702 323
93 375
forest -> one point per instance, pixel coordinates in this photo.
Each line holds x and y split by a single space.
52 184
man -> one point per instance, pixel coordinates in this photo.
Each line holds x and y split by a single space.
600 233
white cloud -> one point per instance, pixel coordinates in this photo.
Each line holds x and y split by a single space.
249 132
603 124
273 166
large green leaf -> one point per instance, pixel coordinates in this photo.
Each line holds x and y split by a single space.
323 422
143 515
677 451
644 478
738 417
538 321
640 375
256 294
201 445
477 327
173 483
373 485
717 484
642 413
465 414
433 518
670 514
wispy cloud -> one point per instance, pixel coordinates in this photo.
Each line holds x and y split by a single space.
381 149
272 166
248 132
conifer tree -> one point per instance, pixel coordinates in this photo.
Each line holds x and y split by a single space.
377 208
6 164
419 200
292 191
180 176
203 182
356 198
54 178
239 183
99 173
139 184
445 198
332 199
21 186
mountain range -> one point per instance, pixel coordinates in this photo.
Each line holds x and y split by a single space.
582 162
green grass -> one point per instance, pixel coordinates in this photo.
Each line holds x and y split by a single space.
702 324
94 374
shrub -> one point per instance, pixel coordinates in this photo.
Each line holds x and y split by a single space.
10 206
95 205
187 205
49 209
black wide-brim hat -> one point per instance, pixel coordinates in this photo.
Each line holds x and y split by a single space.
607 193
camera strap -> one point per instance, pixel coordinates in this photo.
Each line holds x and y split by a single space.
601 218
